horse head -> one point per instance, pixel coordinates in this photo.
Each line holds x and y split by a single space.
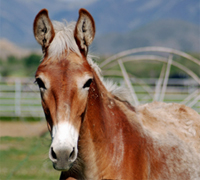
64 77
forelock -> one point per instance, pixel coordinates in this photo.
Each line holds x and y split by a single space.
63 40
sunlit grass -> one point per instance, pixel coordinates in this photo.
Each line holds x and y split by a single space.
26 158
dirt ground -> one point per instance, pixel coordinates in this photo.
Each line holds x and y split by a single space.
22 129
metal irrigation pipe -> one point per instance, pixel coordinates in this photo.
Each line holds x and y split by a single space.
159 83
143 84
148 49
128 82
167 72
160 59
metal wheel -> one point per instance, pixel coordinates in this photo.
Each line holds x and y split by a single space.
161 88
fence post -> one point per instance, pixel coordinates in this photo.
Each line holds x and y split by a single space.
17 97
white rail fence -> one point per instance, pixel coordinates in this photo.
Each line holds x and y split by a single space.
185 91
21 97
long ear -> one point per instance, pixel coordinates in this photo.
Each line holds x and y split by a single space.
43 29
84 30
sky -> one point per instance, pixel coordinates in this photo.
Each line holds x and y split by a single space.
16 16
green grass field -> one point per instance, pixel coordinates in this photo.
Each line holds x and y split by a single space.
26 158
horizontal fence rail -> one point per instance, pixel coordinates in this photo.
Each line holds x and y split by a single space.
21 97
162 88
182 91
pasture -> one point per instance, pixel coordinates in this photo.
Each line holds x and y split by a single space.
96 133
26 158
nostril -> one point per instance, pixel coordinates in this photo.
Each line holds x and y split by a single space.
60 155
72 154
53 154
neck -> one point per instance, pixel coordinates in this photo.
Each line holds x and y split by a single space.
107 133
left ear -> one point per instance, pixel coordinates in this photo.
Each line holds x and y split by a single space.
43 29
84 31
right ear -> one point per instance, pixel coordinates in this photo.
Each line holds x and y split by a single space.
43 29
84 31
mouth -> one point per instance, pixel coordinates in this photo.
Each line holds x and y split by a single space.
66 167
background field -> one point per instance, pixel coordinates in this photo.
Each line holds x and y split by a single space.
120 25
26 158
24 142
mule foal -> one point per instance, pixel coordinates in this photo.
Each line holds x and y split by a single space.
96 133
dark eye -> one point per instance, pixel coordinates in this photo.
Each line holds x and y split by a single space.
40 83
87 84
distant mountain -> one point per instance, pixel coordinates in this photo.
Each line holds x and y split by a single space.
7 49
127 15
176 34
113 17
